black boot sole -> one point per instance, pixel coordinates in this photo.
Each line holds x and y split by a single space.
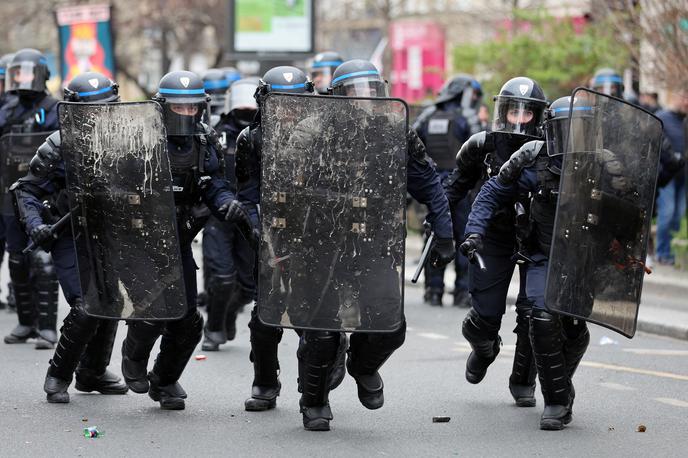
168 403
259 405
102 390
318 424
525 402
58 398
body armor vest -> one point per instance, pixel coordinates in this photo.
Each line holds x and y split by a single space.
31 120
441 143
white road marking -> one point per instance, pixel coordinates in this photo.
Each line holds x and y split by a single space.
432 336
616 386
656 352
672 402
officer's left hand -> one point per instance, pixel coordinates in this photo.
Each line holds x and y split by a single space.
43 236
442 252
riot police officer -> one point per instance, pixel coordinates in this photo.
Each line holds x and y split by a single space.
443 128
518 113
322 67
216 85
196 163
368 351
264 339
4 61
608 81
33 276
558 342
228 259
85 343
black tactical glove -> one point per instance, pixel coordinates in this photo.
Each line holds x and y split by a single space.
235 212
473 243
442 252
43 236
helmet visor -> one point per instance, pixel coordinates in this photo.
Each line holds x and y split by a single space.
556 135
362 87
518 116
609 88
241 96
182 119
322 78
471 98
26 76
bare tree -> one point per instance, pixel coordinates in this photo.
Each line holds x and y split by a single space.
655 33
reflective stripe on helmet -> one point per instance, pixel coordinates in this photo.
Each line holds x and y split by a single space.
99 91
327 63
286 86
354 74
182 91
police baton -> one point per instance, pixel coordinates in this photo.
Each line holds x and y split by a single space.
54 229
424 257
477 259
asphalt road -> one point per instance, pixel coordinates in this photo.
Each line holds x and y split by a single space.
619 386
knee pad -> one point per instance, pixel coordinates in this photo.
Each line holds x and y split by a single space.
41 264
523 311
318 346
78 325
478 328
20 268
262 333
221 284
186 330
545 331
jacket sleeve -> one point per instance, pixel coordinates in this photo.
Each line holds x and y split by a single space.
495 194
215 188
247 169
424 185
29 193
469 167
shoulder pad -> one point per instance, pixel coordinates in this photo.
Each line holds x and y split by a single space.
54 140
475 148
243 140
524 157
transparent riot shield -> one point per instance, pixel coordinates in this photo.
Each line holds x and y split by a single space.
608 179
123 217
333 192
16 152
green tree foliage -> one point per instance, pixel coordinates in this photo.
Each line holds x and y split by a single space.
550 50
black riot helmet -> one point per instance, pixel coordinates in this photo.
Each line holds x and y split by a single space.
284 79
184 102
562 114
27 72
91 87
216 85
608 81
463 88
358 78
4 62
519 108
323 66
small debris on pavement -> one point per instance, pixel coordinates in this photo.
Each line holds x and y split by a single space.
641 428
441 419
84 419
201 357
611 428
92 432
605 340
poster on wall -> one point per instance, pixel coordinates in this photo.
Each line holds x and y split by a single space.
86 42
265 26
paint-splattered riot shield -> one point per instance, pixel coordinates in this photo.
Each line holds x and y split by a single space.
608 179
16 152
120 187
333 192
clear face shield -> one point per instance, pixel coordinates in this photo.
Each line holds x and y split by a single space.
26 76
362 87
241 102
322 78
470 98
518 116
182 117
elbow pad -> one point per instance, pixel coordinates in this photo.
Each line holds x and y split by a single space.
474 149
522 158
47 157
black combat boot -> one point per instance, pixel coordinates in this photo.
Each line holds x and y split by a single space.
179 339
482 335
433 296
317 355
23 299
220 290
136 350
266 386
46 290
577 339
367 353
76 332
547 340
462 299
92 373
523 373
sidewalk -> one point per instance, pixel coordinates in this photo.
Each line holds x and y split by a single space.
663 308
